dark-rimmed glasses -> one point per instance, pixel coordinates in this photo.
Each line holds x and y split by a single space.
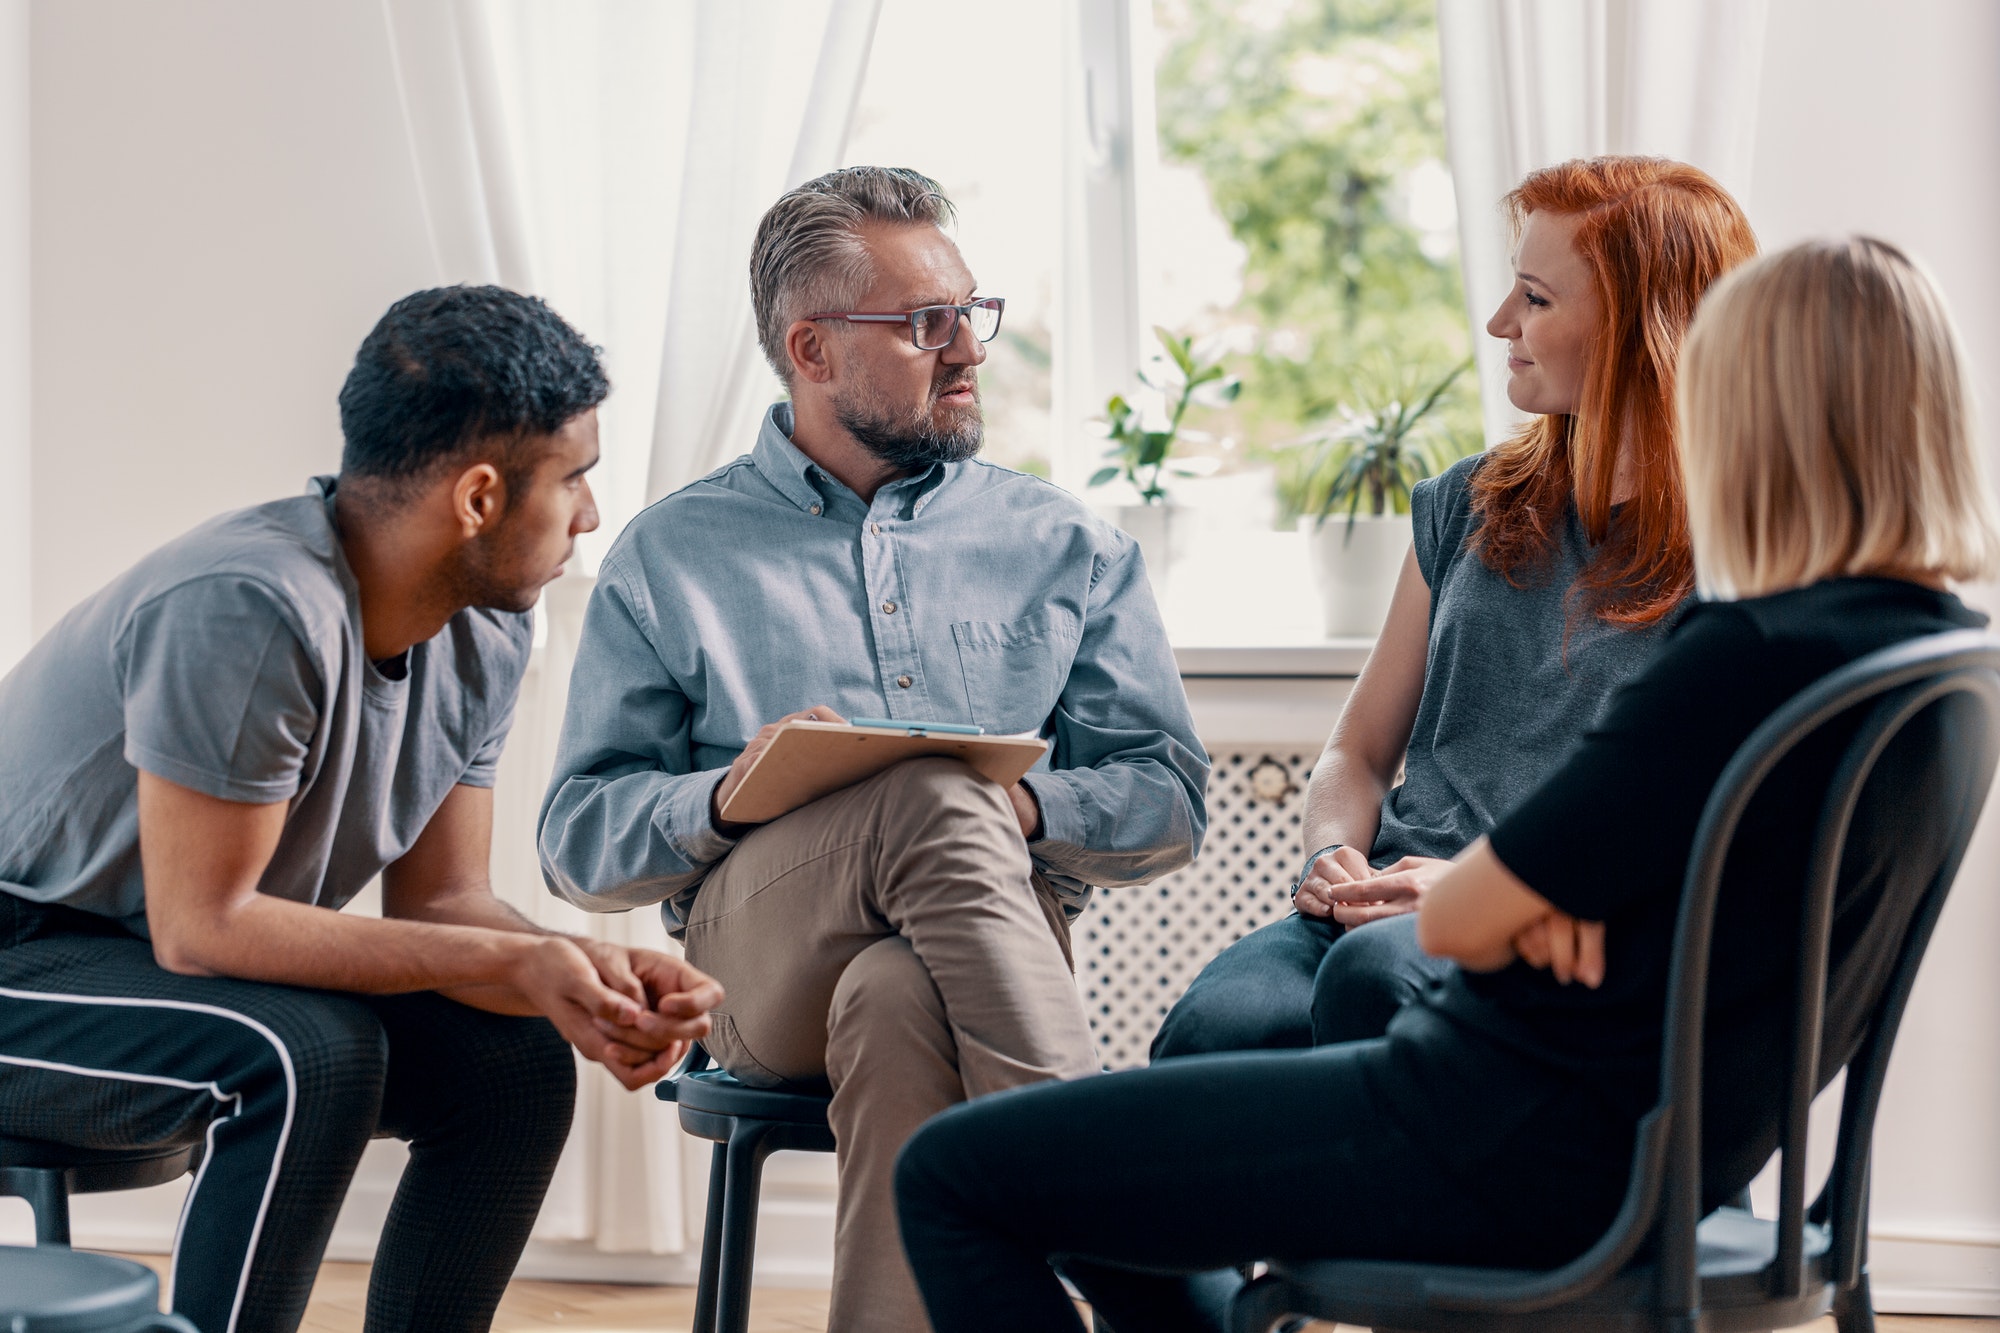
933 327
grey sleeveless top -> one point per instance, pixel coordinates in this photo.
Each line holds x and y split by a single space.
1504 697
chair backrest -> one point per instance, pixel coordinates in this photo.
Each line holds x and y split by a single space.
1665 1195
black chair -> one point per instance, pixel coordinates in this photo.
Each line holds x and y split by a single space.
46 1290
1730 1271
746 1125
46 1174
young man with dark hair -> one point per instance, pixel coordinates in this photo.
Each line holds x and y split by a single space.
907 938
205 760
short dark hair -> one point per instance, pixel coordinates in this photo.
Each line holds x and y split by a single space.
451 366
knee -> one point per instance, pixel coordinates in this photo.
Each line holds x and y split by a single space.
1254 995
936 788
332 1039
1368 975
527 1070
1204 1021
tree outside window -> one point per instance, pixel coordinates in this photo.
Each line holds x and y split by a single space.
1317 129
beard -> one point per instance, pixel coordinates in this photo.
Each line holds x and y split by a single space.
912 441
492 571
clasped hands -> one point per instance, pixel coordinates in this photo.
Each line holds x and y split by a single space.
634 1011
1345 888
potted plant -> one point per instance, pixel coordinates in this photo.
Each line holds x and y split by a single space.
1143 456
1362 467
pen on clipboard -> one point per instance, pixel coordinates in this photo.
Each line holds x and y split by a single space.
917 728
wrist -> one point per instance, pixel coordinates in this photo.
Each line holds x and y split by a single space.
520 953
715 819
1306 869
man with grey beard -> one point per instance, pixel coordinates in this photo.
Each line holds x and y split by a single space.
905 939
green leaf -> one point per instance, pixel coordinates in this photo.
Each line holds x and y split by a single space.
1104 474
1180 349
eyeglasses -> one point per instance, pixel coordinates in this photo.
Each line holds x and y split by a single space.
933 327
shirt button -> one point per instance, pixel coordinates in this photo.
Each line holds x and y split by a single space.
814 511
875 528
888 608
903 682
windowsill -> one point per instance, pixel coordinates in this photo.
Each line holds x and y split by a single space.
1323 658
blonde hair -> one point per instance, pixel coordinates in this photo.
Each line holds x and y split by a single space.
1825 426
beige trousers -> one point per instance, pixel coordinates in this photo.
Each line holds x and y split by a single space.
890 938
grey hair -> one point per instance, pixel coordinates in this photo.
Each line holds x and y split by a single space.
809 255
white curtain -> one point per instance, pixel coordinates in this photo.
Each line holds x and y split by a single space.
1528 83
613 157
17 628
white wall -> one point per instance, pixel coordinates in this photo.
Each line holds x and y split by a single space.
223 203
1886 119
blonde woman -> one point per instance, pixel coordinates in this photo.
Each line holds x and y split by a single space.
1833 493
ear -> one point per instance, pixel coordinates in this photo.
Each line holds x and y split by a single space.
478 498
811 352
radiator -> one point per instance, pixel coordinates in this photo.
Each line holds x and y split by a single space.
1138 948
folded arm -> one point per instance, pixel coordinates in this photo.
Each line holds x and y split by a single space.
1481 916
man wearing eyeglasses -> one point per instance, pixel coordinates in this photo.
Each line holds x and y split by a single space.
907 938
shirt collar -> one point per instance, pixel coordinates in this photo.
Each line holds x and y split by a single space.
799 479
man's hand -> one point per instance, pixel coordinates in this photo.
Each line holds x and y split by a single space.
758 744
1027 810
1340 867
1572 950
556 976
676 998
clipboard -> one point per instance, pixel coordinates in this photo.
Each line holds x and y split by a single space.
808 760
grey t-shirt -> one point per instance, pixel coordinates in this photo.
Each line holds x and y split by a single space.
230 661
1505 697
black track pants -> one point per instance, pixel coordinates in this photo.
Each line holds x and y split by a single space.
102 1048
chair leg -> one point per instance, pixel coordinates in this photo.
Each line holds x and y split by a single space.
47 1194
1258 1307
746 1152
711 1241
1854 1309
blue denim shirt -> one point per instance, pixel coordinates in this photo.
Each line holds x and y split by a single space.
968 593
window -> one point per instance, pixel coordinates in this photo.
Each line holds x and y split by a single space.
1266 177
941 96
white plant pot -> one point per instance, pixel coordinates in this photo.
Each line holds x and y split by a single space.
1165 533
1355 570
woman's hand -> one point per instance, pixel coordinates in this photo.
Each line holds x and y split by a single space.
1339 867
1395 891
1560 944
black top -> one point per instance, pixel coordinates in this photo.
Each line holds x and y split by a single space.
1607 838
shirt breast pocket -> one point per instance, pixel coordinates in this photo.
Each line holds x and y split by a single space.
1015 669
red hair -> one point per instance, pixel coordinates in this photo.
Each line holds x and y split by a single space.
1655 235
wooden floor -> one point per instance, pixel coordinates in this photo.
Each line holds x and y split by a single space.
581 1307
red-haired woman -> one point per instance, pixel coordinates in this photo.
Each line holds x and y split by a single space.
1542 575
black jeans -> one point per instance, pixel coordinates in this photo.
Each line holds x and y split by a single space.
1141 1185
1298 982
100 1047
